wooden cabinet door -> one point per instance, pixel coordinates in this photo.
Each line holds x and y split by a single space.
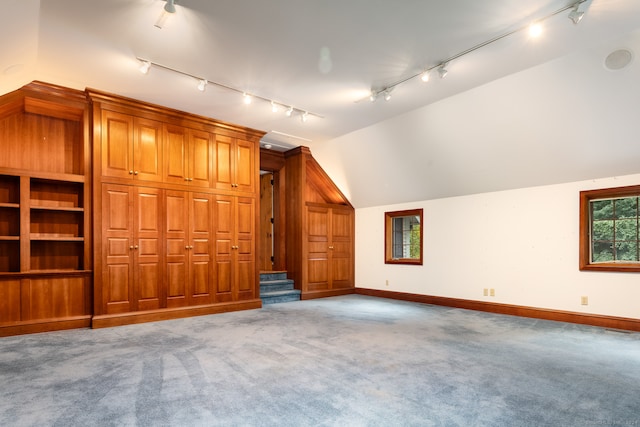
235 164
177 247
224 243
117 249
117 144
245 166
147 248
201 266
329 248
176 147
200 159
341 249
235 246
245 251
147 150
318 272
224 162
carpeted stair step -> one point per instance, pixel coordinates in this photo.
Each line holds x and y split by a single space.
276 285
280 296
273 275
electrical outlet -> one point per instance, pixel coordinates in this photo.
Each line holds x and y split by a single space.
485 292
492 292
584 300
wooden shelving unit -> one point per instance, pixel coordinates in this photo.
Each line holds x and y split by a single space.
45 254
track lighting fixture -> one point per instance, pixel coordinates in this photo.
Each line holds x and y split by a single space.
534 29
144 67
387 95
304 117
247 98
170 7
442 71
575 15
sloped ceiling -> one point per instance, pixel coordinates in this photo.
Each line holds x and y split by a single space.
516 113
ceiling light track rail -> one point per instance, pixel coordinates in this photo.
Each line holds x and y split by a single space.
575 15
247 97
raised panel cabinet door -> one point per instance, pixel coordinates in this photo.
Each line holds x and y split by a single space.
245 166
224 162
200 159
245 225
177 244
117 144
224 248
341 249
148 249
176 152
117 249
318 252
201 266
147 150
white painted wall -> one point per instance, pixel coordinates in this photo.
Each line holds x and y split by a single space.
523 243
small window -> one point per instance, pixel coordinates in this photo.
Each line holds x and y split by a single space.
609 229
403 237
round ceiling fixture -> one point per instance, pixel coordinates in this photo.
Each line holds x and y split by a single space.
618 59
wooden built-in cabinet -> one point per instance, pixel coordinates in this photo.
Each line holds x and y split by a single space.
45 210
177 232
320 229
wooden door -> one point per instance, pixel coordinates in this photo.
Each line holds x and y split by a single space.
341 249
201 267
147 248
266 222
200 159
318 221
177 247
147 150
117 248
117 144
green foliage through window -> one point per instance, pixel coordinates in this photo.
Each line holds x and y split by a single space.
614 230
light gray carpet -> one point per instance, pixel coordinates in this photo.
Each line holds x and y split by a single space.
345 361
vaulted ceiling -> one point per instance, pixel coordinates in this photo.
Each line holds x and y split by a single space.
518 112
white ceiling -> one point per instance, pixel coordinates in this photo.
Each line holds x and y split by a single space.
519 112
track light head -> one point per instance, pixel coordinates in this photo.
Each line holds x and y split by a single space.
575 15
144 67
274 107
304 117
246 98
289 112
442 71
170 7
373 96
425 76
202 85
387 94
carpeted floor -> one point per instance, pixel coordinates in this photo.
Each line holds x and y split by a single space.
344 361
